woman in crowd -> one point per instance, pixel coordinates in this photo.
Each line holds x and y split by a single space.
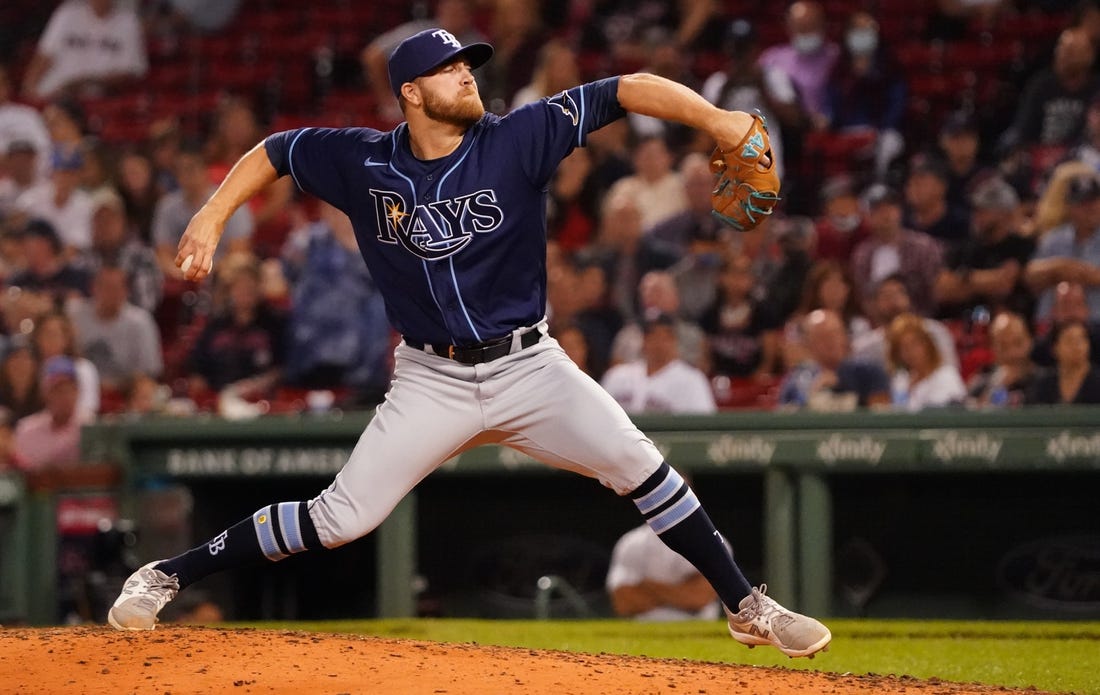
19 392
556 70
54 335
236 130
921 378
138 187
827 287
1073 379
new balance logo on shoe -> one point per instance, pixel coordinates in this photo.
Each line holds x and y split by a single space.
759 620
755 630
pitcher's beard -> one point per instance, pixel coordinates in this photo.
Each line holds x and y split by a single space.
462 113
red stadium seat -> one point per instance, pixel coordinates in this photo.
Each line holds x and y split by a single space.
920 57
738 393
827 153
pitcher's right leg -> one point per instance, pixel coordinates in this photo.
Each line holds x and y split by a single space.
430 414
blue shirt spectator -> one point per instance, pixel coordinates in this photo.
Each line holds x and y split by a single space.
865 89
1071 251
830 379
338 331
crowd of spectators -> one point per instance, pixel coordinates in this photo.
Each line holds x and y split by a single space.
933 249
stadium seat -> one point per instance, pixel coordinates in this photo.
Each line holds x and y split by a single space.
739 393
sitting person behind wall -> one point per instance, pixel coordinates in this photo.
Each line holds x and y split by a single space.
648 581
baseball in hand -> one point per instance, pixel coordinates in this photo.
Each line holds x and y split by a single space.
186 265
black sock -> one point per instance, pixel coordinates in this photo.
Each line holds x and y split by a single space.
274 532
673 511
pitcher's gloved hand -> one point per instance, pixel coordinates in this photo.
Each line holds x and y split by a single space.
747 188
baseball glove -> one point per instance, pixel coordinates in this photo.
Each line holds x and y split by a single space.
747 189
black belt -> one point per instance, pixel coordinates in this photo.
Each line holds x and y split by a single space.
481 352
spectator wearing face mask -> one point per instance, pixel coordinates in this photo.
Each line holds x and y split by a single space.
840 226
866 93
807 59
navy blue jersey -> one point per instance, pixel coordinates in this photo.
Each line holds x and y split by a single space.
457 245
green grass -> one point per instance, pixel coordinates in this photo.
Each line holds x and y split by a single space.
1057 657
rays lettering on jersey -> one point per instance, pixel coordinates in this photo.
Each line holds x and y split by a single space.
438 229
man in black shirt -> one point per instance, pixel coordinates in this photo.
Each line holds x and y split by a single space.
46 271
1052 108
927 208
986 268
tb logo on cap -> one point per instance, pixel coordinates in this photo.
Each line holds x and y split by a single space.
447 38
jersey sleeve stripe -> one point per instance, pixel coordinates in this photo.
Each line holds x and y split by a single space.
290 157
461 303
580 121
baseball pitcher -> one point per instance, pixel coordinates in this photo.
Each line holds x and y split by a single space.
449 212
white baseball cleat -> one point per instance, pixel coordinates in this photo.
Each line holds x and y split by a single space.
145 593
760 620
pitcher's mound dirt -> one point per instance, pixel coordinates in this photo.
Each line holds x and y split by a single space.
179 660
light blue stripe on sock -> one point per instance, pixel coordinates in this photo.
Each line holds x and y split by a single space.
265 534
288 523
661 494
674 514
